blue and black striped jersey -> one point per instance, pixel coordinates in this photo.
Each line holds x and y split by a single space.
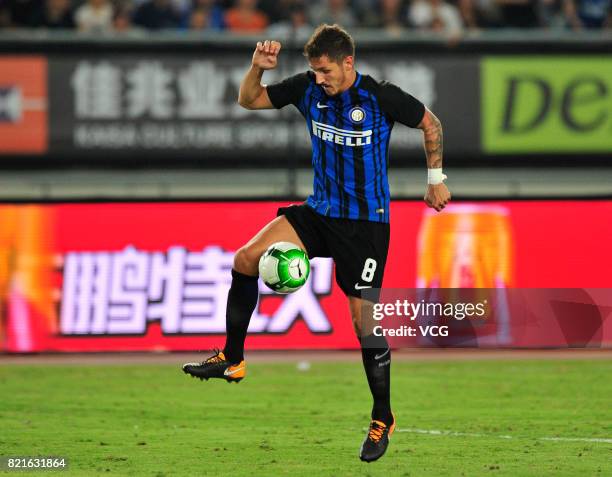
350 135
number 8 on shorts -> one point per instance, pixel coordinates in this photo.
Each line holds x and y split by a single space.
369 267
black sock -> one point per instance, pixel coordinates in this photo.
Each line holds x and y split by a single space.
376 356
241 302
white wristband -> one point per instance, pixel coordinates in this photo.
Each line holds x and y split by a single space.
435 176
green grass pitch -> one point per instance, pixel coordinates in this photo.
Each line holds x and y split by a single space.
153 420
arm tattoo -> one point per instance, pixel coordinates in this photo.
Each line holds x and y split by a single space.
432 136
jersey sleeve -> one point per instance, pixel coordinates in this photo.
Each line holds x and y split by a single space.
399 105
288 91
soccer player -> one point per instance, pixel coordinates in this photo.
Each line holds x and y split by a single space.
350 117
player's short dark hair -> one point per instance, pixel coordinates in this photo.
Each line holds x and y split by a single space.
331 40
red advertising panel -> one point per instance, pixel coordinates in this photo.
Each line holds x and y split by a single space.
23 104
154 276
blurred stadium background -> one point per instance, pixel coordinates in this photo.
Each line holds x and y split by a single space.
130 175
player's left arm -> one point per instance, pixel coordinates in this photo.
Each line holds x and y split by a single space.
437 194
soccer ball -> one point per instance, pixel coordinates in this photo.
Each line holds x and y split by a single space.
284 267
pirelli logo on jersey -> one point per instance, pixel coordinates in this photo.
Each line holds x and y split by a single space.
344 137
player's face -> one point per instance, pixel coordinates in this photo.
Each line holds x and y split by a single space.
333 77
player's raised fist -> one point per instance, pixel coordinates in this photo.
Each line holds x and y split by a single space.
266 54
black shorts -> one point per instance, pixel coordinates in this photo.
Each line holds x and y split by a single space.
359 247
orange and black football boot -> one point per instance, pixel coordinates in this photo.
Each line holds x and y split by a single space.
377 440
217 367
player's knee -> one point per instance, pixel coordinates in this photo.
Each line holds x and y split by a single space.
246 261
356 324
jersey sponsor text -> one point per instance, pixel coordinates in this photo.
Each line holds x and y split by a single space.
344 137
